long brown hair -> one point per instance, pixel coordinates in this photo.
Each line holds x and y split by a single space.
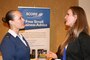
80 25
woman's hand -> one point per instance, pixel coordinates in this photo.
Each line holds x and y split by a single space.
51 55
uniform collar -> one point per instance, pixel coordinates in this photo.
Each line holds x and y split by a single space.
12 32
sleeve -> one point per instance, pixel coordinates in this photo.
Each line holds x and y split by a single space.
84 47
7 49
58 53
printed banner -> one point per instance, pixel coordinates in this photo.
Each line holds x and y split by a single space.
37 30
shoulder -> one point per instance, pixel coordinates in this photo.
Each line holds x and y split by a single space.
6 38
7 42
84 38
84 42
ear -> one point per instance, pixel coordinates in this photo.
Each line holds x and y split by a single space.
11 22
75 16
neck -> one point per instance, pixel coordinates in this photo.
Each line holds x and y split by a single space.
15 30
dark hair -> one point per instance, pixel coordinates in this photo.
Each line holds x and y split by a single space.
9 16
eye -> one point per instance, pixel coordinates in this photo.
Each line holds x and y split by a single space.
67 14
20 18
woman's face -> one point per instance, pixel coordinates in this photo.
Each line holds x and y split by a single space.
18 20
70 19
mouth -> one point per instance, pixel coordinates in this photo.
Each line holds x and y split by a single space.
67 27
64 22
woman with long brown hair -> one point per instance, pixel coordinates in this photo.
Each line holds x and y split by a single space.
77 38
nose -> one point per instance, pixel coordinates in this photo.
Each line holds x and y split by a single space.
65 20
65 17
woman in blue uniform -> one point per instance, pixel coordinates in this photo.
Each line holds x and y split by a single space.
13 45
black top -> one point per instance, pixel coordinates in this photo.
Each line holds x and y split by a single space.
78 49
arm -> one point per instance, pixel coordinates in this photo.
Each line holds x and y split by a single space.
58 53
7 49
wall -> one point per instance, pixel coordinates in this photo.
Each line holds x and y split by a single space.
58 10
86 5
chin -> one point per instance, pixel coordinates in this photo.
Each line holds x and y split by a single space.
22 27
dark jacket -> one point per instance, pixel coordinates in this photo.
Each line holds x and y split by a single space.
14 49
78 49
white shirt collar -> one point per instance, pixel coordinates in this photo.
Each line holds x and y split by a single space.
12 32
